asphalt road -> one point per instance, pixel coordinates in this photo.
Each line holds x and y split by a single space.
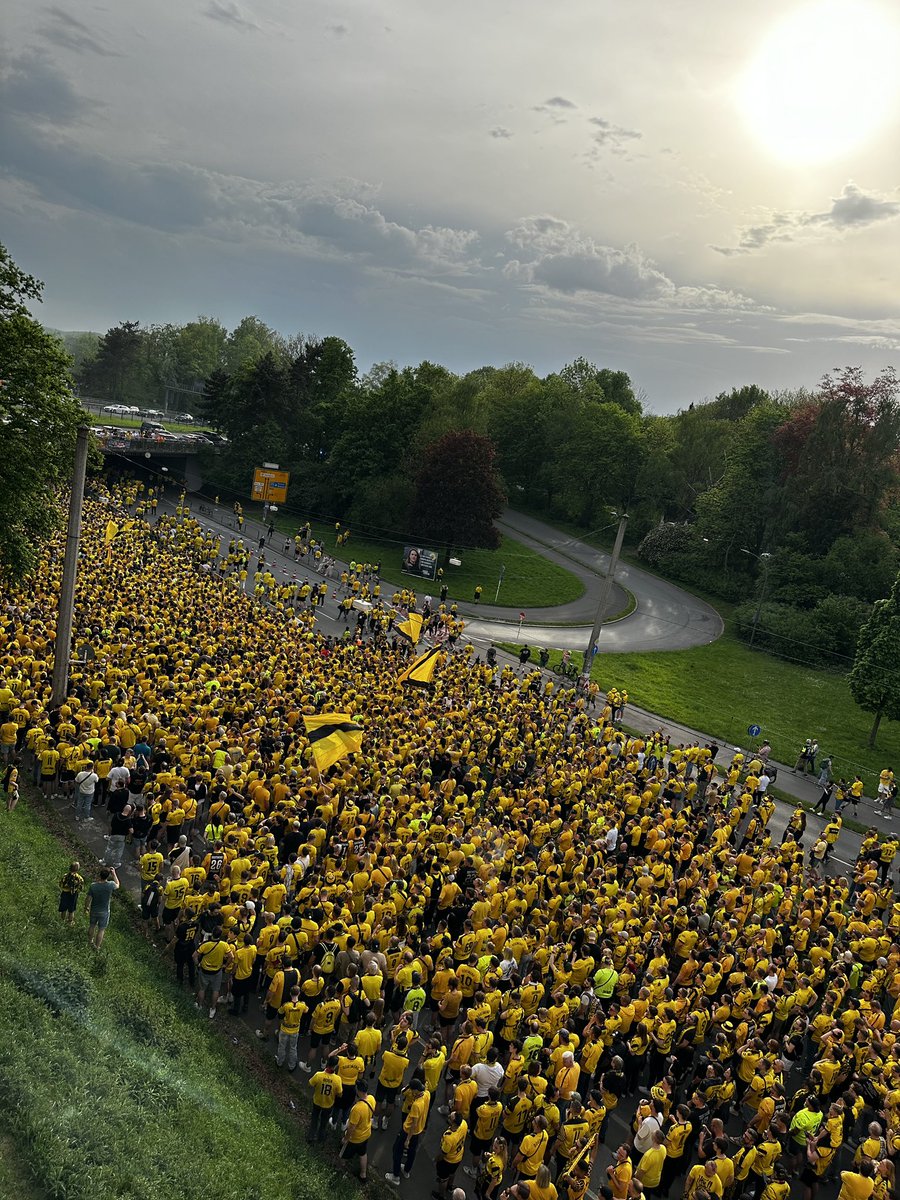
666 616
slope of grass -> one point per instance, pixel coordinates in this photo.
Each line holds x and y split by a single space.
15 1179
723 688
110 1082
530 581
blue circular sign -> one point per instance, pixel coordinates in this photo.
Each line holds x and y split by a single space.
754 730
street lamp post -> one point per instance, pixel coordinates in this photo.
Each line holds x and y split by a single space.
604 594
765 559
66 610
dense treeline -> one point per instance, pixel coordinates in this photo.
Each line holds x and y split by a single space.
786 504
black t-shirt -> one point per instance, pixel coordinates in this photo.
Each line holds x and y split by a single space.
119 825
118 798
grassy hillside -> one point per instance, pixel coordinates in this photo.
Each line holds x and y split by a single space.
110 1082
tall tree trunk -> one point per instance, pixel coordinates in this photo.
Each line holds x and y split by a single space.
874 731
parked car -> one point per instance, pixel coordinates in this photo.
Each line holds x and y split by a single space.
116 410
185 417
152 412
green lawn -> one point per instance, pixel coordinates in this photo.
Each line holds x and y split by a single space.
530 581
111 1084
15 1179
723 688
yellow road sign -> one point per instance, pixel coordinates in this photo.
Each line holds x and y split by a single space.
270 486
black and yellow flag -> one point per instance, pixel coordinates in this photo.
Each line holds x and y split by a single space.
421 672
412 627
332 736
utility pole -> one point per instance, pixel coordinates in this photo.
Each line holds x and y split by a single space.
63 645
604 594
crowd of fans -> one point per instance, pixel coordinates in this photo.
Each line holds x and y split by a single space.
565 952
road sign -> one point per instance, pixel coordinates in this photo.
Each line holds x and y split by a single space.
754 730
270 486
521 617
595 649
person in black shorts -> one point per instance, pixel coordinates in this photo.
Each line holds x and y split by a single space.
70 887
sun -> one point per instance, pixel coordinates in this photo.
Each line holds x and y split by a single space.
823 82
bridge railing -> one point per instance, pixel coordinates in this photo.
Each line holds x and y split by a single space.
121 442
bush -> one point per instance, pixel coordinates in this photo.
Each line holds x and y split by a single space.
679 552
824 636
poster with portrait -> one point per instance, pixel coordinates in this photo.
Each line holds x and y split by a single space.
419 561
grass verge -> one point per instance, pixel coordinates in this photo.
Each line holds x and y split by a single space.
529 581
110 1082
723 688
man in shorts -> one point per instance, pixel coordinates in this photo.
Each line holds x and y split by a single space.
70 887
359 1129
97 904
211 956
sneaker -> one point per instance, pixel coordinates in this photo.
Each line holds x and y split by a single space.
384 1122
406 1174
305 1067
259 1033
212 1014
444 1110
471 1172
394 1179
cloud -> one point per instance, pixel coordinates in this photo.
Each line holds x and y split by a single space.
609 134
565 260
500 131
64 30
852 209
338 221
554 255
32 87
228 12
555 107
339 29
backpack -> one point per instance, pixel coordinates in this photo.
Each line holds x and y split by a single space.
326 963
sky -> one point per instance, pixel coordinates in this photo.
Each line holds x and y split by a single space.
701 194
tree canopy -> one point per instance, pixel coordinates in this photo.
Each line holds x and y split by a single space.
39 416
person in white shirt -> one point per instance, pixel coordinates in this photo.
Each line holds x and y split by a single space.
488 1074
85 783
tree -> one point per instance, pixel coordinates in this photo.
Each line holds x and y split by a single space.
114 372
248 342
840 456
38 419
875 675
458 494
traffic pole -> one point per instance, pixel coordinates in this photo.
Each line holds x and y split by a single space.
604 594
63 645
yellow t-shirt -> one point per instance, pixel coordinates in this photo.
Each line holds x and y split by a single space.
327 1088
359 1126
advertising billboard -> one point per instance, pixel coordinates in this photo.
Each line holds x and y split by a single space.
419 561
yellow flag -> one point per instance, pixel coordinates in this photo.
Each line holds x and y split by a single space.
421 672
111 530
332 736
412 627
